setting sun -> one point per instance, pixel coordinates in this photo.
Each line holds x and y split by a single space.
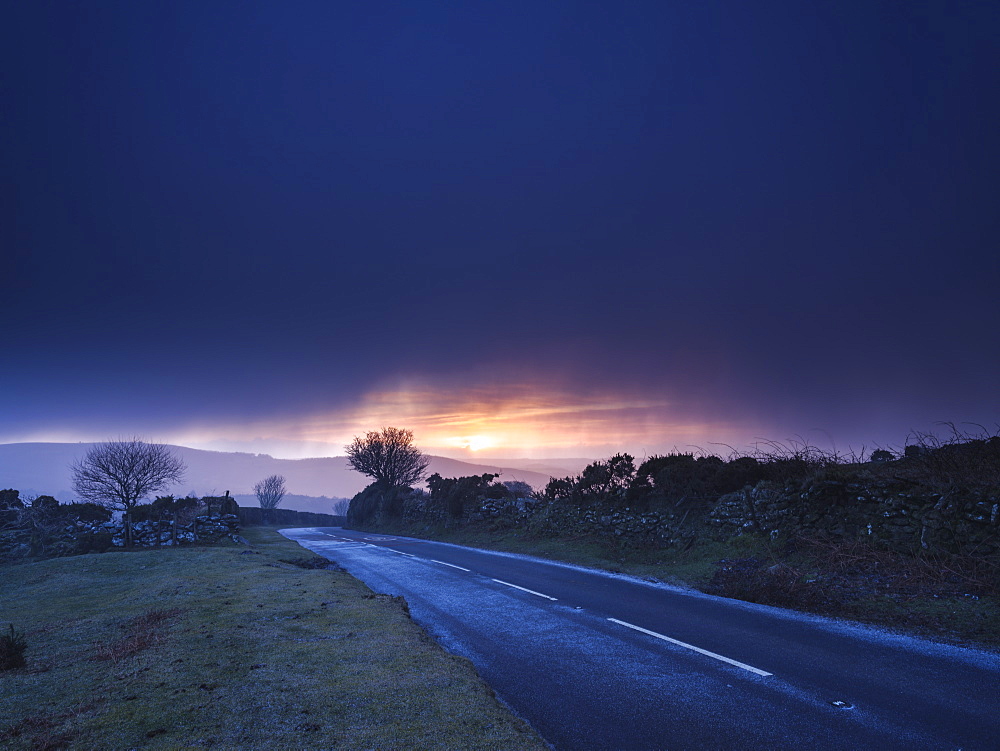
472 443
477 442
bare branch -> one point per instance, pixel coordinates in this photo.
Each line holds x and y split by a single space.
270 491
118 474
388 457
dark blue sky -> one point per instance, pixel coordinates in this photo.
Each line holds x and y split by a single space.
771 218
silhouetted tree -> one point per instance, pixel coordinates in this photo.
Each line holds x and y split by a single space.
559 489
388 457
269 492
118 474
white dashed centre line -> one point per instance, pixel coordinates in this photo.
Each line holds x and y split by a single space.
699 650
524 589
448 564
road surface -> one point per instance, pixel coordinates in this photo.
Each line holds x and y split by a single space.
595 660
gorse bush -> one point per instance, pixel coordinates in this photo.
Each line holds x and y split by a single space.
12 648
960 461
455 494
673 479
375 503
957 461
167 507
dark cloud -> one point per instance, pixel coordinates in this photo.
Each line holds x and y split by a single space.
774 213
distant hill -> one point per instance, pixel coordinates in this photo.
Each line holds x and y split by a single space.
313 484
560 467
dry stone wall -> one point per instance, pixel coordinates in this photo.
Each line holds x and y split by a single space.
893 515
147 534
74 537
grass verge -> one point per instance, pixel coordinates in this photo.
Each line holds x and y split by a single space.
229 647
952 600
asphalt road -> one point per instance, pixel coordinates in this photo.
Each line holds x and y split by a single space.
599 661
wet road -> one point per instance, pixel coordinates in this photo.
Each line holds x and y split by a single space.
599 661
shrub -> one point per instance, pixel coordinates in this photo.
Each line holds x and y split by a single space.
10 498
12 648
373 504
961 461
45 504
167 507
457 493
144 512
85 512
10 504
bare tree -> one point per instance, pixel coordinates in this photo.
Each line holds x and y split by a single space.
118 474
388 457
340 506
269 492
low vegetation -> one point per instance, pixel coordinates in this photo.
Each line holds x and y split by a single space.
905 538
230 647
12 647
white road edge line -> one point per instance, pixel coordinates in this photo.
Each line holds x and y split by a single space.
408 555
699 650
449 564
524 589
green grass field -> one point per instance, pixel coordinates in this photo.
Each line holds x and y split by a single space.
227 647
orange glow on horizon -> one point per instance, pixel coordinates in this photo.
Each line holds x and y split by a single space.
515 420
